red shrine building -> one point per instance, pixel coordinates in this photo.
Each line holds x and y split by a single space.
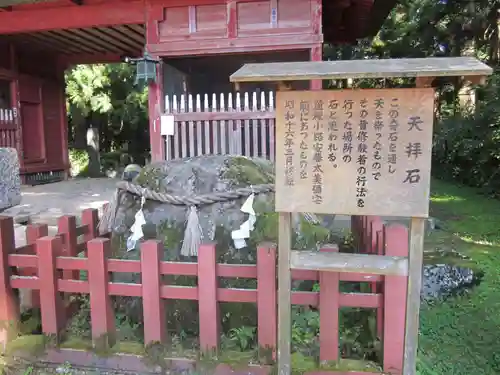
200 42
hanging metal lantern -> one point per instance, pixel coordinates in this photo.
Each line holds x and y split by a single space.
145 68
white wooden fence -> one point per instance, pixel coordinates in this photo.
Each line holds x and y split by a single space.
226 124
8 128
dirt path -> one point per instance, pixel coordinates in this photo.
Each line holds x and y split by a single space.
46 203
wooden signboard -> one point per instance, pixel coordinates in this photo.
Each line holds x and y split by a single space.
354 152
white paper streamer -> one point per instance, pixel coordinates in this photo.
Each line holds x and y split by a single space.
136 228
239 236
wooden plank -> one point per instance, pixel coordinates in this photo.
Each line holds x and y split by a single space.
284 294
383 68
231 128
206 125
191 128
255 128
222 124
70 17
272 130
184 130
416 254
199 137
263 127
246 108
254 43
237 132
346 262
380 140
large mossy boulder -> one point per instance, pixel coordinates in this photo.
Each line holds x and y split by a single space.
204 175
167 222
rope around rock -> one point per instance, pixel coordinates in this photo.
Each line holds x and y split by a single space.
194 200
108 218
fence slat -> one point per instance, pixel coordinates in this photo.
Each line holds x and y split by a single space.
246 108
231 127
266 297
263 127
9 303
51 303
375 227
380 287
184 132
329 298
152 304
177 129
215 128
222 125
206 124
199 127
207 298
272 130
101 308
396 244
237 132
255 128
33 233
90 218
191 128
67 227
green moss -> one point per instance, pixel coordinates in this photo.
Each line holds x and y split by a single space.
302 364
243 171
150 177
171 234
266 228
32 344
311 234
443 247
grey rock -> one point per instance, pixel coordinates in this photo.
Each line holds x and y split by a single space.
444 280
10 181
196 176
166 222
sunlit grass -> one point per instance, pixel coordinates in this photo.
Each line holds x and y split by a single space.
462 335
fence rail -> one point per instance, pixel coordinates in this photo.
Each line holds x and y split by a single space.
8 128
49 265
226 124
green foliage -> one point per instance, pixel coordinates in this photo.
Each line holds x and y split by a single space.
105 97
79 161
467 145
243 337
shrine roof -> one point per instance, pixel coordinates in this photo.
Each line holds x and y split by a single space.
383 68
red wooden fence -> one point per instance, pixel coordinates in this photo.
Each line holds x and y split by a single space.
60 273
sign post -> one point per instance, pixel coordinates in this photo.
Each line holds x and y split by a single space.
355 152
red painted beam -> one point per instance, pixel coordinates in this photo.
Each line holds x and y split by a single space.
70 17
102 58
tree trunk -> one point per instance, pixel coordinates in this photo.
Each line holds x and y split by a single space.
80 129
94 168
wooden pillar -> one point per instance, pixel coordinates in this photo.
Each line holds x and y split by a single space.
415 261
316 53
284 294
16 105
155 94
64 121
